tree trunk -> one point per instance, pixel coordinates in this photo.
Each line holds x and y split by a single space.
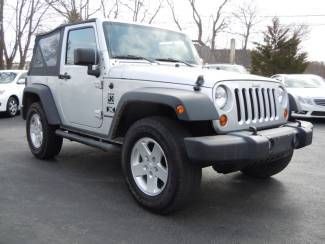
22 62
1 36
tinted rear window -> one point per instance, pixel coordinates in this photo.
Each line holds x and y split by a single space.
46 57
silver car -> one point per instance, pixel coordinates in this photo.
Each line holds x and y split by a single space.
308 91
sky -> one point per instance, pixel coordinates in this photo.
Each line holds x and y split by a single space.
290 12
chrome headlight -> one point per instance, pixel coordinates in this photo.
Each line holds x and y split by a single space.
221 96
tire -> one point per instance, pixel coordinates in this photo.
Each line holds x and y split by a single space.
264 170
41 137
183 178
12 107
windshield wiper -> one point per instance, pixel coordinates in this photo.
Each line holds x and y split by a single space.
136 57
175 61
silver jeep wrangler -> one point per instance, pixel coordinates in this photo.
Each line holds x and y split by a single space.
142 88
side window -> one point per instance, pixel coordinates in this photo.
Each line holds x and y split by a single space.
79 38
50 48
47 50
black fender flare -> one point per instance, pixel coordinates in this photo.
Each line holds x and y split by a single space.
45 97
198 106
294 106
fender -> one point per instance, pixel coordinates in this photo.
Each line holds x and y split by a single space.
44 94
198 106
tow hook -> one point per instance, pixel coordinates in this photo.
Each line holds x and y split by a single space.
299 122
253 129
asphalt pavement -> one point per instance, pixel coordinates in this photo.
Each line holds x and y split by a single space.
80 197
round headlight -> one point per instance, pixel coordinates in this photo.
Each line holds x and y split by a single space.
221 96
281 95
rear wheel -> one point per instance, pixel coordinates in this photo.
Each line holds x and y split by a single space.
12 106
42 140
266 169
156 168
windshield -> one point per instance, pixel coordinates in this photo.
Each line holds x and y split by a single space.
304 82
7 77
153 43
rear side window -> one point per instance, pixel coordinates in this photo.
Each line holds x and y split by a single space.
50 48
46 55
79 38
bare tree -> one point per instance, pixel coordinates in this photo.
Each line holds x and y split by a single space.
110 11
73 10
198 21
27 15
141 11
219 23
172 10
28 23
246 15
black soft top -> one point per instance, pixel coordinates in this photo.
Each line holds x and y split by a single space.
60 27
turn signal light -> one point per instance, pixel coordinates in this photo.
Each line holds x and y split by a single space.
286 113
180 109
223 120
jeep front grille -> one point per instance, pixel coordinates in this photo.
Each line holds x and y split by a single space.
256 104
252 103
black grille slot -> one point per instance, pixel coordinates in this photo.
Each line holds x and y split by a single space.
259 113
270 102
252 103
245 104
238 104
274 102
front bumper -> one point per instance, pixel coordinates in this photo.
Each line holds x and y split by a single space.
243 147
3 103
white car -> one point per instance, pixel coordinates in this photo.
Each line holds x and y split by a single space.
228 67
12 84
309 93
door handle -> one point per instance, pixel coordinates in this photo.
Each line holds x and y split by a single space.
65 76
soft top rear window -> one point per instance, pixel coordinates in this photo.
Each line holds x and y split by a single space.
46 56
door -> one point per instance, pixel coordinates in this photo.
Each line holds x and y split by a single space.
80 94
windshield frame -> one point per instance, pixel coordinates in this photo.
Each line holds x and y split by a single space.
300 80
8 72
196 58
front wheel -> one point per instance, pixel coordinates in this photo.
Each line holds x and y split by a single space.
266 169
42 140
155 165
12 106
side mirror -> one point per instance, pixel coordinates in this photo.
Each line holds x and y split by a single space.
21 81
87 57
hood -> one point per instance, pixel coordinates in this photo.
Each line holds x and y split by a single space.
307 92
179 75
